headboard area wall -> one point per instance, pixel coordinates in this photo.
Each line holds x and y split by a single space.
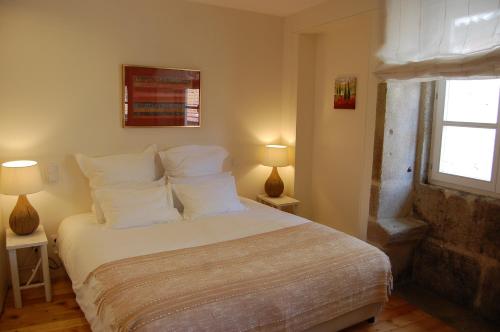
60 86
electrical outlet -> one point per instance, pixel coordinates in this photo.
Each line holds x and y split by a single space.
52 172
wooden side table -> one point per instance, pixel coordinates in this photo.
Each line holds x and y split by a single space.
36 239
281 203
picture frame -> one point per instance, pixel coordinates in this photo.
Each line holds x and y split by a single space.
161 97
345 93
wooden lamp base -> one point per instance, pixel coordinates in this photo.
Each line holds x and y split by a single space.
24 219
274 185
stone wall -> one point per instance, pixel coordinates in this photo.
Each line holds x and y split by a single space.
394 150
460 256
389 227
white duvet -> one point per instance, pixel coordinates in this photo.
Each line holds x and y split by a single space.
84 244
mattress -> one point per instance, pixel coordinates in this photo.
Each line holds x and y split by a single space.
84 244
88 249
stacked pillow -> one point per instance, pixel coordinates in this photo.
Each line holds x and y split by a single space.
193 160
118 169
195 173
126 193
132 207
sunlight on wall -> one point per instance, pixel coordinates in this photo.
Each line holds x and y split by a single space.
18 138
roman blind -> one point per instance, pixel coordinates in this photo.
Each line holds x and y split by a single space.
431 39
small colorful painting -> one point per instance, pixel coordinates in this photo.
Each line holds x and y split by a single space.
160 97
345 93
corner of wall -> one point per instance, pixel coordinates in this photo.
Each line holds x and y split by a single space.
304 94
3 265
289 103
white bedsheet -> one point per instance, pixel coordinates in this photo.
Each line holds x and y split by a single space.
84 244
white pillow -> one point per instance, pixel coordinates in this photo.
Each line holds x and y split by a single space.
124 208
193 160
96 207
110 170
197 179
208 197
191 180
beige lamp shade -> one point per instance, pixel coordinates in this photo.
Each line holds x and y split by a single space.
20 177
276 155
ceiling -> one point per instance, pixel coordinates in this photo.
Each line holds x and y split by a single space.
270 7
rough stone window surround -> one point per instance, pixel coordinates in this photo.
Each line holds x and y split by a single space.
460 255
424 149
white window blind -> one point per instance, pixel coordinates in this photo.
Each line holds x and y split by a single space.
441 38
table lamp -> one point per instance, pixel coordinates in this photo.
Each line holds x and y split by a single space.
275 156
21 177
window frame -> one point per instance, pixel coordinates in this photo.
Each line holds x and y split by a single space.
489 188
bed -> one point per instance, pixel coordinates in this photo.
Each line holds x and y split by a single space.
258 269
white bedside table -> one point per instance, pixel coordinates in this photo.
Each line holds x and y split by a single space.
281 203
36 239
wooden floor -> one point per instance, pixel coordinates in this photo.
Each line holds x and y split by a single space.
63 314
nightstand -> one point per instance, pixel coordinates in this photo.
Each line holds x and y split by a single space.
283 203
36 239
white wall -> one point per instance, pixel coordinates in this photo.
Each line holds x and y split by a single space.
304 123
60 85
334 148
339 155
3 264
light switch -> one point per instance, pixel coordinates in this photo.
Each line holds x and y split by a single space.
52 172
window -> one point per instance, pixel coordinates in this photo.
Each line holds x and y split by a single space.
466 135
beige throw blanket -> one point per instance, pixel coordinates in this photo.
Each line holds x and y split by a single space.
290 279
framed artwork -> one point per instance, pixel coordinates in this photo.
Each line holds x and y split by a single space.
160 97
345 93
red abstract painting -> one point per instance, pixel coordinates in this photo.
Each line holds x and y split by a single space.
345 93
160 97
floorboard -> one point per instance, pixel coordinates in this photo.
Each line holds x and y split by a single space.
63 314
